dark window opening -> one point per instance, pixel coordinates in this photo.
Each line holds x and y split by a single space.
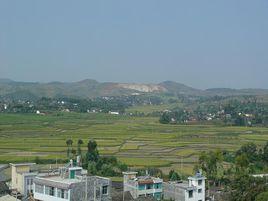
190 193
105 190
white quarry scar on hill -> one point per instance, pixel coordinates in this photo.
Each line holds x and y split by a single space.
143 87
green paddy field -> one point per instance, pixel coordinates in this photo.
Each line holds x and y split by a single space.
137 141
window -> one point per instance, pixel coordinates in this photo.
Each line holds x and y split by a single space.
50 190
200 190
59 193
148 186
105 190
199 182
141 187
158 185
47 190
39 188
29 181
62 193
66 194
190 193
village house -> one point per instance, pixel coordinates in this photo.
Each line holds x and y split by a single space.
68 183
71 183
22 177
142 186
193 190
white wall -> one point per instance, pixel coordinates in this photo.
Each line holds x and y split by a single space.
45 197
196 196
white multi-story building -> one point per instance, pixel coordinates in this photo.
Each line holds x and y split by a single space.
71 184
142 185
193 190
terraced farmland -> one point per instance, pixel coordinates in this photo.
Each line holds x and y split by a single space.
137 141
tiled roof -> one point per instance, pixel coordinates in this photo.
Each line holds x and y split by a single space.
148 180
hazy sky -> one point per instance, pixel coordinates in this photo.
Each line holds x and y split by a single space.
202 43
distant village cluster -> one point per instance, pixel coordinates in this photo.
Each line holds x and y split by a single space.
105 104
237 111
184 116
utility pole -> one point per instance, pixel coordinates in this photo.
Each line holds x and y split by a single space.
94 190
123 191
86 189
181 163
100 192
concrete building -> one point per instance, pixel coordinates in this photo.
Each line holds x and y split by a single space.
22 178
8 198
193 190
72 184
143 185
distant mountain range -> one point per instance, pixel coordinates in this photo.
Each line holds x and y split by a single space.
91 88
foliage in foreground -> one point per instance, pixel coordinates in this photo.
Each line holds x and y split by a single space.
103 166
237 173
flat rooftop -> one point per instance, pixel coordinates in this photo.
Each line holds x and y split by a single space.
64 183
183 185
56 181
21 164
59 179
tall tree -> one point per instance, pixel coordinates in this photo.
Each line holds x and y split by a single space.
247 188
250 149
69 144
92 151
241 162
79 143
211 164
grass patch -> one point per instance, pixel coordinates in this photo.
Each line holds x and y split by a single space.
144 162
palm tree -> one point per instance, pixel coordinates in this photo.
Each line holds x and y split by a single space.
69 143
79 143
